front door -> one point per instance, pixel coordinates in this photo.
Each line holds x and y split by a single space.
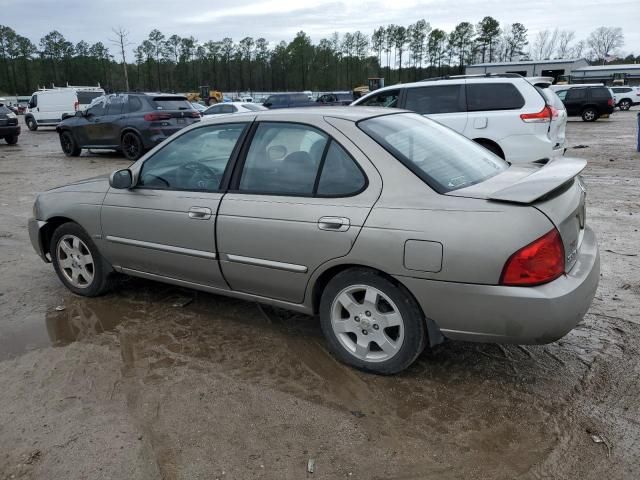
574 100
166 224
296 201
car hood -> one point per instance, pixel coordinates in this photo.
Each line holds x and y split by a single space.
99 184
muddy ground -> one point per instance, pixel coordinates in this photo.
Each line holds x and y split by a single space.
153 381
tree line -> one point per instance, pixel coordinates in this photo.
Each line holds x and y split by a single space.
340 62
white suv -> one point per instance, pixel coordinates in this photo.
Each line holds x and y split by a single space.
626 97
504 113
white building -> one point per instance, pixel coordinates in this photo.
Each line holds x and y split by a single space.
530 68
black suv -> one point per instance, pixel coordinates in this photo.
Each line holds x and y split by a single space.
128 122
288 100
9 128
590 103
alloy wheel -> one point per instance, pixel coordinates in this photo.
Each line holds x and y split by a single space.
367 323
75 261
131 146
589 115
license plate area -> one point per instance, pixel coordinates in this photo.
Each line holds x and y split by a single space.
181 121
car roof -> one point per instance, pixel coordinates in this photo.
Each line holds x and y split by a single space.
353 114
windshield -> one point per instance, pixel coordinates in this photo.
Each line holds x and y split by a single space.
442 158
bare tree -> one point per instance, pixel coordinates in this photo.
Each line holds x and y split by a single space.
545 44
121 42
564 39
577 51
604 41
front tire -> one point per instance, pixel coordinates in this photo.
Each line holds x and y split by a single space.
132 147
31 124
11 139
77 261
624 104
371 323
69 145
589 114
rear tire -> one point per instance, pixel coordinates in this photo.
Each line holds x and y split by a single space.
132 147
69 145
11 139
77 261
589 114
370 323
31 124
624 104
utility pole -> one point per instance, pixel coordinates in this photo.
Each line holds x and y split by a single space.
121 42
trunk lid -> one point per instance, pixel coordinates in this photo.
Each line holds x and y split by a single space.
554 189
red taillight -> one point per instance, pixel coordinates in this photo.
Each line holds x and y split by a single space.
539 262
195 114
542 116
156 117
610 102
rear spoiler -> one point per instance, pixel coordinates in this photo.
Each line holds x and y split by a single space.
548 178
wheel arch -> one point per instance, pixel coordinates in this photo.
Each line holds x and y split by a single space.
322 279
126 130
46 232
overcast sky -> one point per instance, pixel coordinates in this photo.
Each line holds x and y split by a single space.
92 20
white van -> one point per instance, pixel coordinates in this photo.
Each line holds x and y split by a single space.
47 107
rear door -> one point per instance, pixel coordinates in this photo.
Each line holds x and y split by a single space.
88 131
166 224
299 199
443 103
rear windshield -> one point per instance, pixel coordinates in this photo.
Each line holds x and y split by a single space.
442 158
84 98
253 107
172 103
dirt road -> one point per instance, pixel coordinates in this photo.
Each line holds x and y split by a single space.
153 381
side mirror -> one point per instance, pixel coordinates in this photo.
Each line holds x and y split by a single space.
121 179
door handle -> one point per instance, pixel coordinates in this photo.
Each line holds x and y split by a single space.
334 224
200 213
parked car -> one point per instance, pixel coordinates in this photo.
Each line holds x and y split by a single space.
131 123
590 103
626 97
339 98
48 107
233 107
558 125
199 107
503 113
288 100
398 231
9 128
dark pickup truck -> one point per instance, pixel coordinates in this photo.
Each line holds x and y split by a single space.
288 100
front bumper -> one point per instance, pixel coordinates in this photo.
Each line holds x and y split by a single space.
35 227
523 315
9 131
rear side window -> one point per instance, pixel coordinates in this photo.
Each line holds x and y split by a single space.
576 94
171 103
493 96
388 98
85 98
436 99
442 158
283 159
134 104
340 175
600 93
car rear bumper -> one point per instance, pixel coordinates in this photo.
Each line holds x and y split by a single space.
501 314
9 130
35 226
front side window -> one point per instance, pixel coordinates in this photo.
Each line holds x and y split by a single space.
194 161
436 99
493 96
115 105
283 158
97 109
388 98
443 159
33 103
